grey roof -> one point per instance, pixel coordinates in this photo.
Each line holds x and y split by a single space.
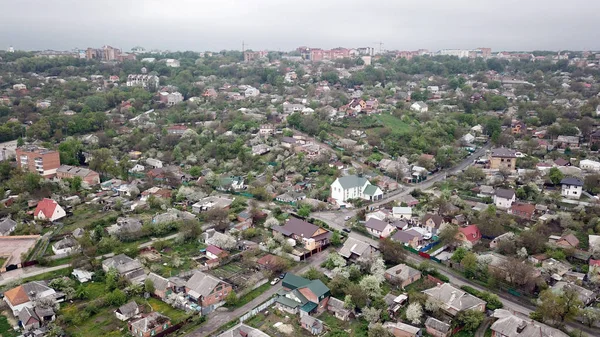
354 246
376 224
243 330
504 193
352 181
437 325
402 236
160 283
26 314
7 225
571 181
122 263
312 322
454 298
415 233
402 327
511 325
74 170
503 153
437 219
67 242
148 323
128 309
585 295
202 284
403 271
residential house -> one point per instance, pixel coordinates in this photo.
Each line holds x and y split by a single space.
386 183
26 294
66 246
433 222
508 324
522 210
437 328
586 296
162 286
354 248
31 319
518 128
269 261
402 212
212 237
48 209
143 80
126 267
506 236
595 137
454 300
571 188
380 214
156 192
394 303
402 275
154 163
339 310
207 291
243 330
302 295
311 324
291 197
7 226
127 311
354 187
212 202
38 160
564 142
568 241
589 165
289 108
124 226
561 162
419 106
231 183
260 149
407 238
69 172
399 329
552 266
379 228
502 158
594 271
312 237
371 105
504 198
149 325
469 235
210 93
177 130
266 130
214 252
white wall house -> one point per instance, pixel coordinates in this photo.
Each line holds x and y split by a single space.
251 92
402 212
353 187
571 188
504 198
419 107
379 228
589 165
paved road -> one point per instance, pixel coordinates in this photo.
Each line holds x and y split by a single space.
16 274
218 318
336 218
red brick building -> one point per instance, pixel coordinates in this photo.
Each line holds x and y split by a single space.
38 160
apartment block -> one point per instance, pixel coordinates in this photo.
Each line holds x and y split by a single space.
38 160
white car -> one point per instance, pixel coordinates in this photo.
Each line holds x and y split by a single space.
348 217
275 280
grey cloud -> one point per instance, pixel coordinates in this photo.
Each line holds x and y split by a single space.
285 25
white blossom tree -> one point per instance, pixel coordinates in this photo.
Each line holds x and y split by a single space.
270 222
371 285
378 268
414 313
225 242
372 315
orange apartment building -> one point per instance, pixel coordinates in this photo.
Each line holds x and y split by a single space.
88 176
38 160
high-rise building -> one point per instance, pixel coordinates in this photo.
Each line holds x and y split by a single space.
38 160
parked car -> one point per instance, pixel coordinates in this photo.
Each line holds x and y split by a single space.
347 230
275 280
282 275
347 218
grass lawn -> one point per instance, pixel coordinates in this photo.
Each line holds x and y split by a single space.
6 329
2 260
358 328
251 295
49 275
157 305
394 123
83 216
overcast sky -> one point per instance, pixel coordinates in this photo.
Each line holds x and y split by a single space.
202 25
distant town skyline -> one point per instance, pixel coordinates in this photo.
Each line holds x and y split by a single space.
281 25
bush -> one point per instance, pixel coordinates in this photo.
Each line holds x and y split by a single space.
493 301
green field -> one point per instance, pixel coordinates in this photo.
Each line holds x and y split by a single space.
394 123
5 329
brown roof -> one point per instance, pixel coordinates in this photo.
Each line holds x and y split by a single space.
267 260
570 239
17 296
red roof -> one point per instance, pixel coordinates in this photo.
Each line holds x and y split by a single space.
471 232
46 206
214 250
267 259
594 263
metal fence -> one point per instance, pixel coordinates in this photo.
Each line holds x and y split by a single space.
258 309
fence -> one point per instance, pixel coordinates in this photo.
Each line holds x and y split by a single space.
256 310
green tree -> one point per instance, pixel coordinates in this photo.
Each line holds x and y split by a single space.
304 211
555 175
96 103
149 286
558 308
76 183
231 300
336 240
470 320
469 263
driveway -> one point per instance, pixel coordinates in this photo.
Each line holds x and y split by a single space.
216 319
